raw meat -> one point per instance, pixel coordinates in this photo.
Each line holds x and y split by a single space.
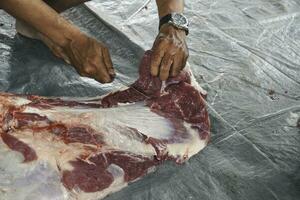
97 146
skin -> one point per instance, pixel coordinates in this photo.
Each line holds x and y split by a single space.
91 58
170 51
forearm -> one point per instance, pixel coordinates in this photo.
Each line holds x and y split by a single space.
62 5
168 6
41 17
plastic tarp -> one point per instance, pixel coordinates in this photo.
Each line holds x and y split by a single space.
244 53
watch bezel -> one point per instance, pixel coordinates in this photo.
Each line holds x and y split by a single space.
177 24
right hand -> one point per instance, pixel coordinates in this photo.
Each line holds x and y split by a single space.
91 59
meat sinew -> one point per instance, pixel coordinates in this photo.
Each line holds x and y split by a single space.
97 146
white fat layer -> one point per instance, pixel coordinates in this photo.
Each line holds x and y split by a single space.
194 83
49 149
120 126
5 101
121 129
21 101
189 147
58 154
135 116
29 180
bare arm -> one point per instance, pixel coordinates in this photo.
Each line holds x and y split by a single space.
168 6
89 57
41 17
170 50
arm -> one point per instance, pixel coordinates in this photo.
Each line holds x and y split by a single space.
168 6
170 50
89 57
43 18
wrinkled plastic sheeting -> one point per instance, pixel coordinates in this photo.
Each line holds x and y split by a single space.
244 53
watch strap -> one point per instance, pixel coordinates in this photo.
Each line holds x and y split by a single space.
165 19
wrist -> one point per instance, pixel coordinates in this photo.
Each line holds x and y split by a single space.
70 36
177 20
170 29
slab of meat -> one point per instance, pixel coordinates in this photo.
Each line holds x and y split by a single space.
93 147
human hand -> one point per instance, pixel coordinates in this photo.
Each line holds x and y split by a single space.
91 58
170 52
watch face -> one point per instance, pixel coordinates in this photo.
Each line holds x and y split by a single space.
179 19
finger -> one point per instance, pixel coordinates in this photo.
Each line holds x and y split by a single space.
184 61
165 67
87 70
186 56
177 65
158 40
100 72
90 70
82 73
108 63
64 57
102 75
156 59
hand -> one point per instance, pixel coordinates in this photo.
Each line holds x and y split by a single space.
91 59
170 52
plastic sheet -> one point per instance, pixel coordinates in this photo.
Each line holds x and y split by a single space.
244 53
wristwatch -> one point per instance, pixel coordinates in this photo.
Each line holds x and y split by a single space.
178 20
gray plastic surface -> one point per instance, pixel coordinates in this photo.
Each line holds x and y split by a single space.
244 53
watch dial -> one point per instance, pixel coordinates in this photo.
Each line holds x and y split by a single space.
179 19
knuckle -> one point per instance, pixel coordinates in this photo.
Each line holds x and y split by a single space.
164 68
173 51
163 41
164 63
155 56
171 42
155 59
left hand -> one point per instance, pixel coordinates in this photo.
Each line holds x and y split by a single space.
170 52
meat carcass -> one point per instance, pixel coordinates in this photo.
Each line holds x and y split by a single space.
93 147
